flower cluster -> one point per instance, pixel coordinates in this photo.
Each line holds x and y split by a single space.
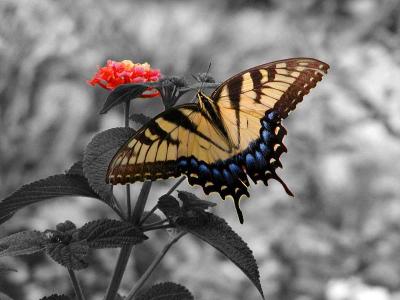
116 73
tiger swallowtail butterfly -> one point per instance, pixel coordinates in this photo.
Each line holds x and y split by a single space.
222 140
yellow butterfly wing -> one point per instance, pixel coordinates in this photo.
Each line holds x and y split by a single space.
245 98
221 141
153 152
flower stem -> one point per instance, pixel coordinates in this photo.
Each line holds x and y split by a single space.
126 113
119 271
141 202
125 252
155 227
128 187
128 202
151 268
148 214
76 285
175 185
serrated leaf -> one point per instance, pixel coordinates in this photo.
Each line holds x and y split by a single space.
76 169
166 291
71 256
110 234
98 154
4 297
125 92
56 297
51 187
216 232
139 118
22 243
192 202
169 206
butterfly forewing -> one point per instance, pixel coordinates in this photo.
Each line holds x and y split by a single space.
152 153
279 85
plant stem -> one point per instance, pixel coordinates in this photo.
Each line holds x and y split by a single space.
125 252
141 202
128 202
156 223
76 285
151 268
128 187
126 113
119 271
148 214
150 228
175 185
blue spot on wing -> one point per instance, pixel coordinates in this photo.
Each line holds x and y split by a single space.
260 160
193 163
264 149
217 175
228 177
204 172
250 161
266 136
234 168
271 115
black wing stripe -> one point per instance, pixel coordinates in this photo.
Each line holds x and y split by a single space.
234 99
180 119
271 74
256 76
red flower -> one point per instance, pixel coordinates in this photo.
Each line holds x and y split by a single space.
116 73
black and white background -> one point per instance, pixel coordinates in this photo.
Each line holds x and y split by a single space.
338 239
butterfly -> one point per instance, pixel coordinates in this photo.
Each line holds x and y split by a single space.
221 141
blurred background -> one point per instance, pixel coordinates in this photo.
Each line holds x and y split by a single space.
338 239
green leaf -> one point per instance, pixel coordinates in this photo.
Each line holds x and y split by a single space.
76 169
22 243
125 92
169 206
139 118
216 232
4 296
61 185
166 291
110 234
56 297
98 154
192 202
70 255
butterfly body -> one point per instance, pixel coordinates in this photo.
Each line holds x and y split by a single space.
222 140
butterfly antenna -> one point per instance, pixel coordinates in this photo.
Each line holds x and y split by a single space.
205 77
202 82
